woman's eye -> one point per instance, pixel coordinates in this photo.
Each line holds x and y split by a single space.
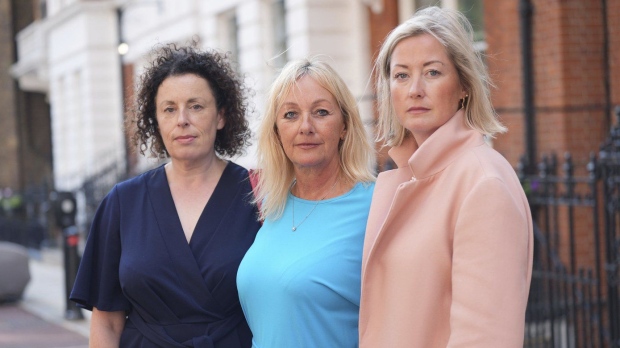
196 107
434 73
289 114
168 110
400 75
322 112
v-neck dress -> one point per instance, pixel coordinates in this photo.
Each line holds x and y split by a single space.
175 293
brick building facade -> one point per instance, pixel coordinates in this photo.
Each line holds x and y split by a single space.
576 71
575 63
576 80
575 54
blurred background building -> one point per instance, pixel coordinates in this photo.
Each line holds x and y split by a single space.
79 61
68 69
85 56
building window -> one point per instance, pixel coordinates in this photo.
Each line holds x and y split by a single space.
41 9
472 9
233 36
418 4
278 10
406 8
229 33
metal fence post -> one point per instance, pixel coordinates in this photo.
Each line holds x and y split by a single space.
66 209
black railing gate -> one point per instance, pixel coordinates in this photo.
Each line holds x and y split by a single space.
610 176
574 298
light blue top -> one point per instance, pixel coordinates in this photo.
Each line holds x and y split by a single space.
302 289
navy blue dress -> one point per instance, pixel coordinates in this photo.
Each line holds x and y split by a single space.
175 294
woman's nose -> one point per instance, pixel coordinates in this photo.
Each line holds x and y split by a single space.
183 117
306 126
416 89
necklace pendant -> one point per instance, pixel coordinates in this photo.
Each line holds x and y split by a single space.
294 229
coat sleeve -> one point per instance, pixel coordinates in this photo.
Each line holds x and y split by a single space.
97 282
490 274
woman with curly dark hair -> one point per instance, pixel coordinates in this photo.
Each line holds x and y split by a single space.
161 259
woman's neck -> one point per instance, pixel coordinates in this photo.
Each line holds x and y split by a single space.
317 185
193 173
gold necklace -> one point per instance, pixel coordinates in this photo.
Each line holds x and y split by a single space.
294 228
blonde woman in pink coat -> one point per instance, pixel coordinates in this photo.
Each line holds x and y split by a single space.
448 249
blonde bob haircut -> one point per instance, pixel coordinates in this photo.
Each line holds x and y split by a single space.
452 29
276 170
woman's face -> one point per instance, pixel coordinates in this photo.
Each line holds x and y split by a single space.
424 85
310 125
187 116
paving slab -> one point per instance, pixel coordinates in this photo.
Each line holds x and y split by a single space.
20 328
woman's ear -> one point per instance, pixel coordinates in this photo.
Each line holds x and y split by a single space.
221 120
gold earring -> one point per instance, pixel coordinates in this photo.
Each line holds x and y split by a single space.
463 101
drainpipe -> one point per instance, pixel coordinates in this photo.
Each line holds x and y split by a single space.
606 67
122 47
525 19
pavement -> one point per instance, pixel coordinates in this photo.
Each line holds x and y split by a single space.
39 319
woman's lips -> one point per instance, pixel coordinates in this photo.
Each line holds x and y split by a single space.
307 145
185 138
417 110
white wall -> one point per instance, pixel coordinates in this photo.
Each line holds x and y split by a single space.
82 66
149 23
338 30
85 94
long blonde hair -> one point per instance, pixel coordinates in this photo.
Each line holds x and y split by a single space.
276 170
452 29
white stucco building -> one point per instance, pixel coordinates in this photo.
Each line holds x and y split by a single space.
71 54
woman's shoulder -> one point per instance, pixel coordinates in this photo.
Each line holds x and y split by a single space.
233 168
390 179
140 179
490 160
361 190
483 163
367 187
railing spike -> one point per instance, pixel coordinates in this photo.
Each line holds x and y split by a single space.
542 166
567 167
592 166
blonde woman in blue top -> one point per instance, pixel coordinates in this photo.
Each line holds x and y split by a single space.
299 283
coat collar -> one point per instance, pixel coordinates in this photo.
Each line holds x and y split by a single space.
439 150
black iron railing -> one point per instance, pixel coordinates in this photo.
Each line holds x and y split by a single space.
574 297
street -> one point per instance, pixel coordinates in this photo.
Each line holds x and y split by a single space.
38 319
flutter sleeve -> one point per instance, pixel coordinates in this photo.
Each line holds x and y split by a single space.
97 283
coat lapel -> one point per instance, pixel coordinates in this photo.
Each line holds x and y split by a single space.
395 189
443 147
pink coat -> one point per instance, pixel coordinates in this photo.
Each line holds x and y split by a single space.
448 249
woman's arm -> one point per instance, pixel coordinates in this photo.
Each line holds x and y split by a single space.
106 328
490 268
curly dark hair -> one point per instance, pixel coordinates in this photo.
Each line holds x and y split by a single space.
228 90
